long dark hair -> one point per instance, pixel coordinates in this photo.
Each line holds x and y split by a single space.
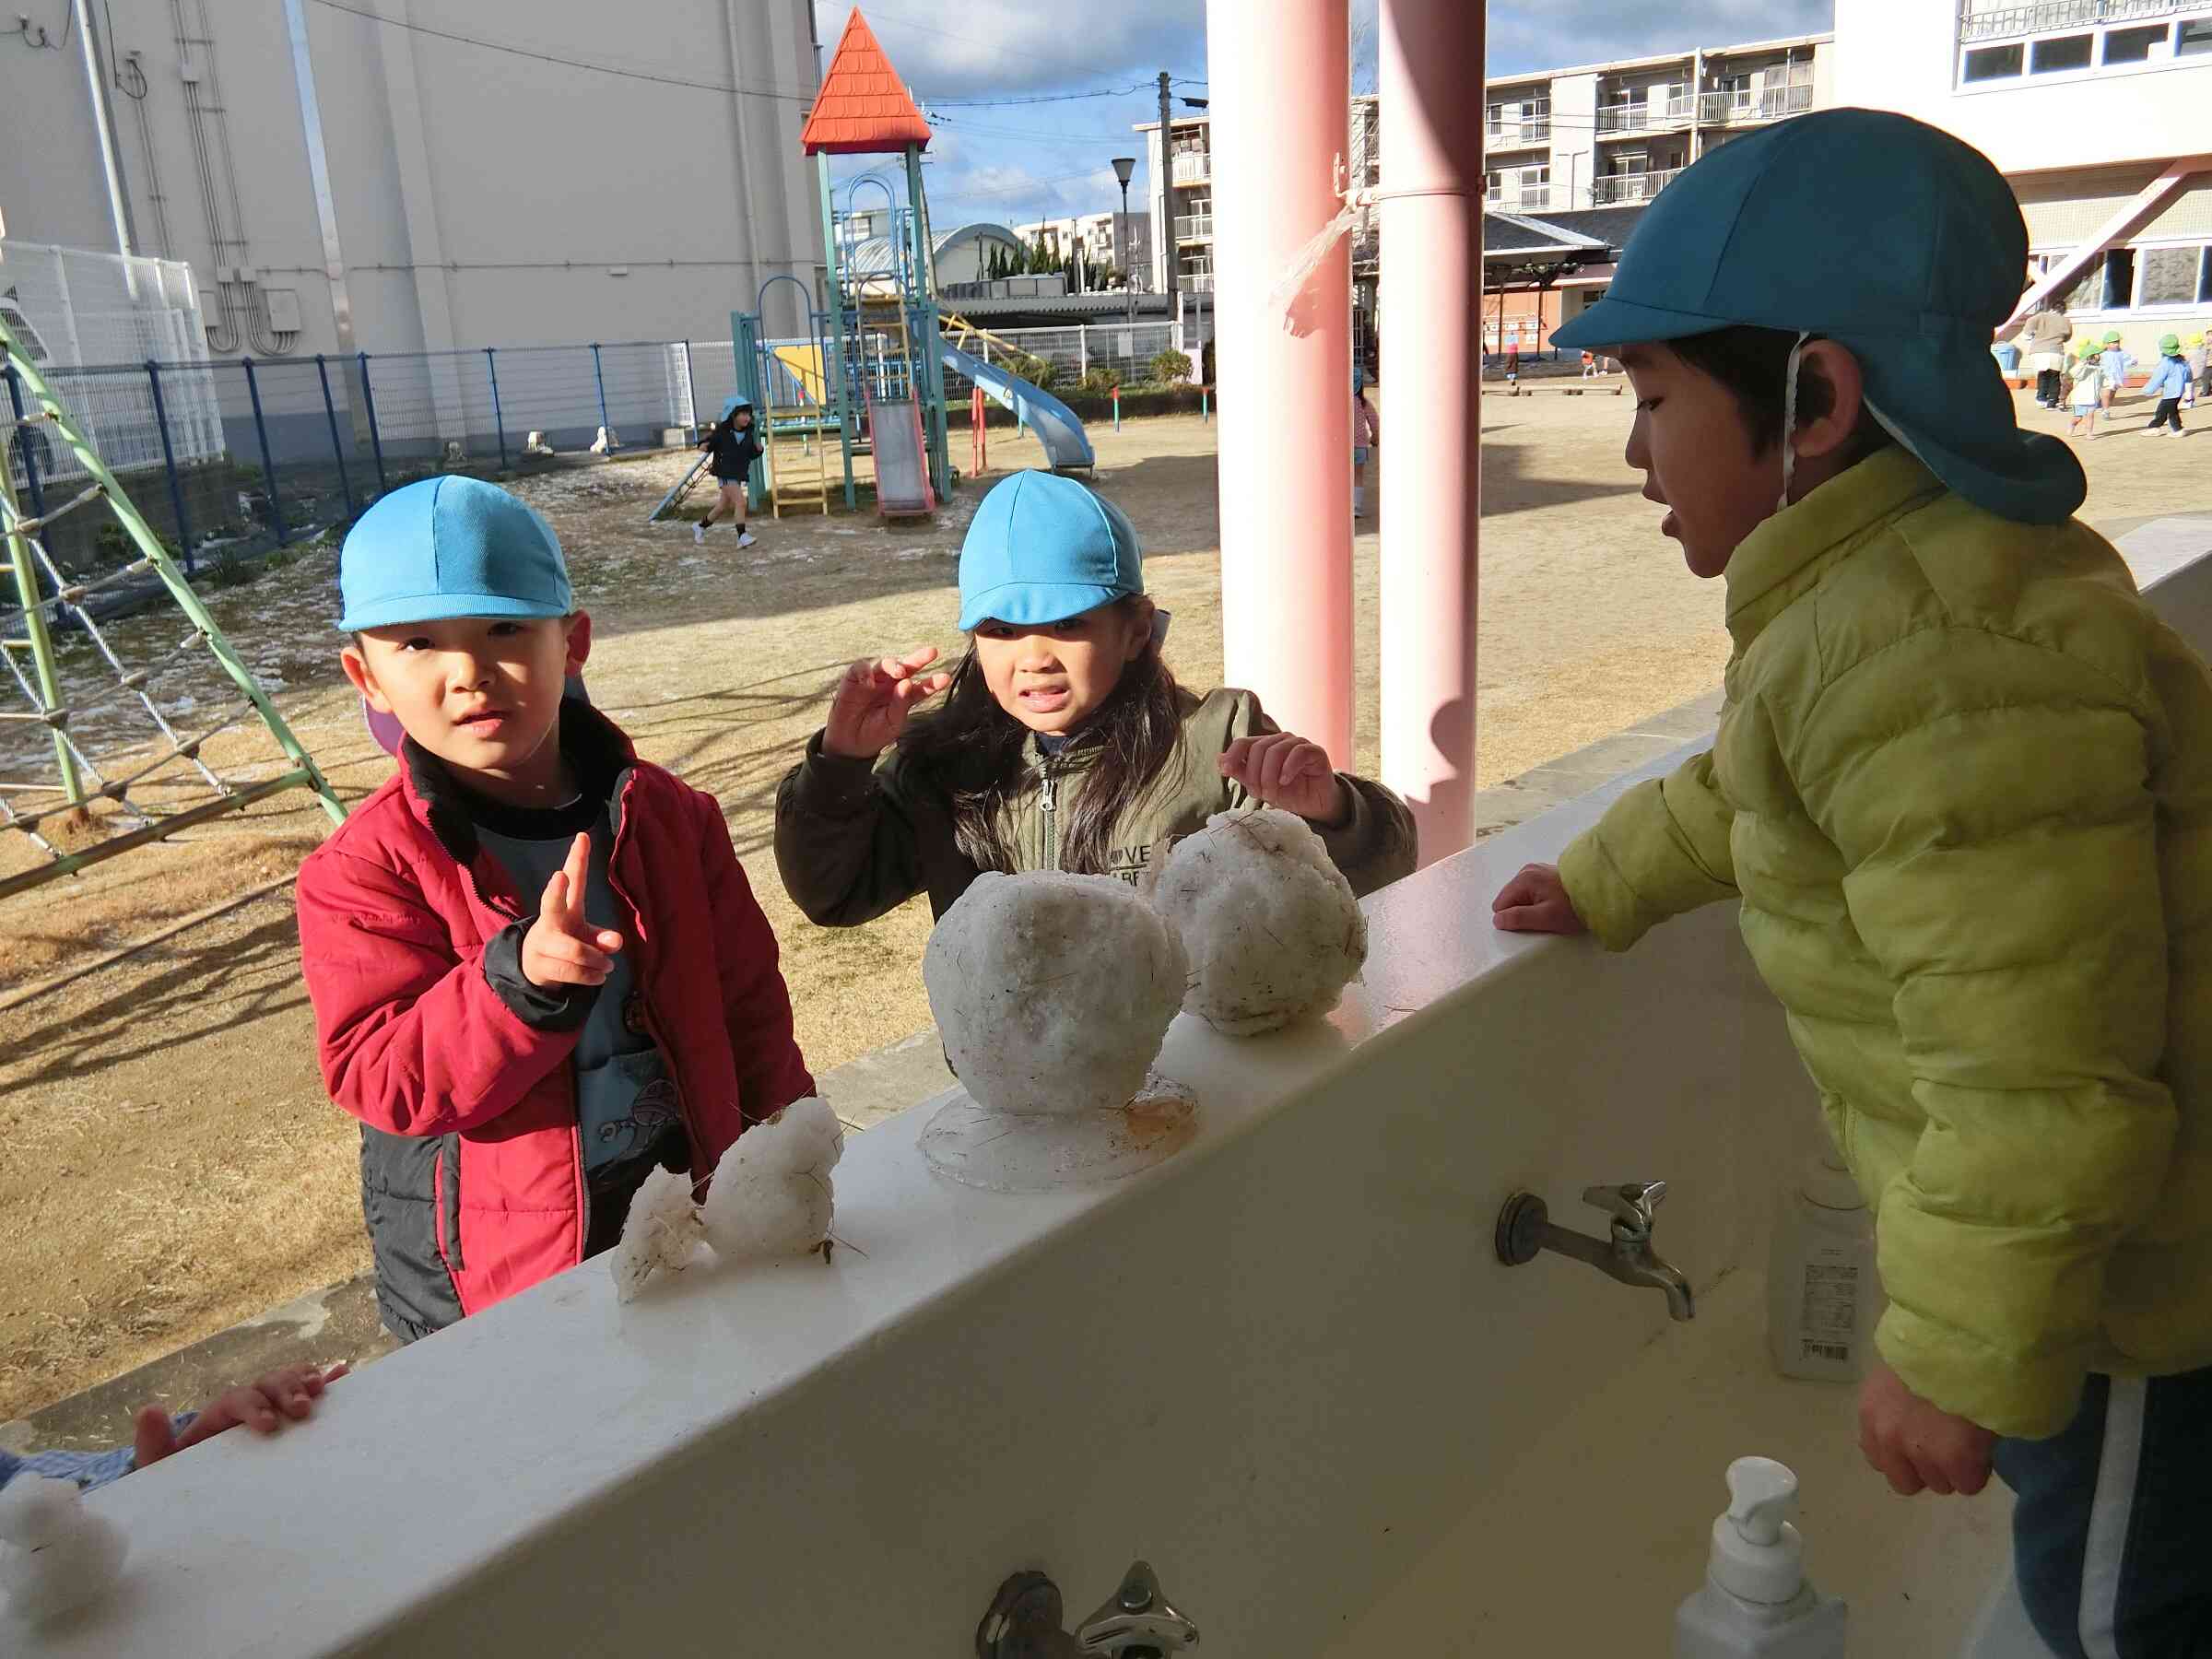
972 751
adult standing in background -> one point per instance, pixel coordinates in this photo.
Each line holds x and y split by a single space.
2044 348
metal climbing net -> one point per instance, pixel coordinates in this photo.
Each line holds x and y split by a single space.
48 595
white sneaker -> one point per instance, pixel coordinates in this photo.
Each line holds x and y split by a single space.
699 535
745 538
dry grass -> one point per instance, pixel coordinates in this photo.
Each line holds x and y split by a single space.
169 1163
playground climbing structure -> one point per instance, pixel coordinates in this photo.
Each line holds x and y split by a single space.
104 802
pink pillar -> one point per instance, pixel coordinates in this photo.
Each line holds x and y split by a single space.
1430 305
1280 72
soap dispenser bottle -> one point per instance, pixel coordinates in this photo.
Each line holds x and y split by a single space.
1823 1296
1756 1603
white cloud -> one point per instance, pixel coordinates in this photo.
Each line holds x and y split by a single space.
1555 33
978 48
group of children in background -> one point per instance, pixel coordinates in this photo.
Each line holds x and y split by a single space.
2099 373
1960 788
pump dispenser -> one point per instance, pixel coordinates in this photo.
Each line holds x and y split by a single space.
1756 1603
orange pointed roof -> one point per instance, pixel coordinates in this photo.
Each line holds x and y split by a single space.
862 108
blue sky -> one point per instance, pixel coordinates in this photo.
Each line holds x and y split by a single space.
1013 145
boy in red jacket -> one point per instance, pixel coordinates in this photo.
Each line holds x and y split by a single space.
538 971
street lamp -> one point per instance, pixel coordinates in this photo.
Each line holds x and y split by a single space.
1122 167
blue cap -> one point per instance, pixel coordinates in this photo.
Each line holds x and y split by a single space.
731 405
1042 548
1877 232
450 547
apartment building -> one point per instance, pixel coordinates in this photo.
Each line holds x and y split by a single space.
2096 112
1596 135
1100 238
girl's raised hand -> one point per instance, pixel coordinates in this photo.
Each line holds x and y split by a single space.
1284 769
874 700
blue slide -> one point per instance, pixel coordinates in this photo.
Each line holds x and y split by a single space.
1055 423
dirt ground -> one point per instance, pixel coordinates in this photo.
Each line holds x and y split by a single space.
169 1161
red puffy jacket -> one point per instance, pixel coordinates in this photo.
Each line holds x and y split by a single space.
410 936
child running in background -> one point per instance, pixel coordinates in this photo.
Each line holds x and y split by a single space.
1962 789
732 446
2087 394
2169 384
2195 358
1065 744
2115 363
537 971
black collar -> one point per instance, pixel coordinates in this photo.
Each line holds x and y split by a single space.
593 744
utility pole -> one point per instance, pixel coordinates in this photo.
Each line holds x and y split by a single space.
1166 201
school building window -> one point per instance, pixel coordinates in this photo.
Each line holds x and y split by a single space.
2133 45
2194 37
1995 63
2067 51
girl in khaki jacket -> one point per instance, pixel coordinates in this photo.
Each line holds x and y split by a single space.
1065 744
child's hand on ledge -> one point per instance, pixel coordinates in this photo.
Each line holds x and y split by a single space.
1284 769
261 1405
1536 901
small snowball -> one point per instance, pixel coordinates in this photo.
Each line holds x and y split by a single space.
58 1554
1268 921
1052 991
772 1194
663 1228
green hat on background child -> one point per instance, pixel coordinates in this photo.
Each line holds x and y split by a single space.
2112 336
2170 344
1042 549
1882 234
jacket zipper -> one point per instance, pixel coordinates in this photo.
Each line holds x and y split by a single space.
1048 801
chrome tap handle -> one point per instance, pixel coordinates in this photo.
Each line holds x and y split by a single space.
1135 1621
1631 1204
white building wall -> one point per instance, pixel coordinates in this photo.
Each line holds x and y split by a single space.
482 198
1904 55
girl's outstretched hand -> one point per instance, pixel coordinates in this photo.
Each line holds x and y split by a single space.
874 700
1284 769
1536 901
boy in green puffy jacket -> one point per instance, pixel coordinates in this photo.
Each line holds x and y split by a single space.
1962 785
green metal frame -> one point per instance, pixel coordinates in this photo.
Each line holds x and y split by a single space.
304 773
835 303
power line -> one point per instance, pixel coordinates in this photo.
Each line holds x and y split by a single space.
1039 98
569 63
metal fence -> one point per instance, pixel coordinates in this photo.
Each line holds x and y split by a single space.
238 453
232 455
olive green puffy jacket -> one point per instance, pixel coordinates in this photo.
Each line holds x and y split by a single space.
1963 784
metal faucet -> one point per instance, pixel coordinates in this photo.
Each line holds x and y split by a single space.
1525 1229
1134 1622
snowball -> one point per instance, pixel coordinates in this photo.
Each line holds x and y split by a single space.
663 1228
58 1554
1268 921
772 1194
1052 991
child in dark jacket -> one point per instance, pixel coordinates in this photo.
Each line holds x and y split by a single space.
732 445
1065 743
537 971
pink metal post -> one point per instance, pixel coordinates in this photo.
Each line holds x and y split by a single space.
1430 229
1280 74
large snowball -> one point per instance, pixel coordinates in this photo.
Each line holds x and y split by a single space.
1052 991
1268 922
772 1194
